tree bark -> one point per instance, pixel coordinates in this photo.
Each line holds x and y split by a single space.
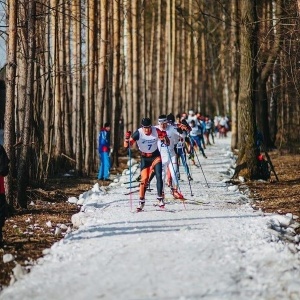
9 122
246 164
264 74
23 169
77 86
235 62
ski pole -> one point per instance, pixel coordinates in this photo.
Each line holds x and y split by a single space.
182 156
130 176
187 173
177 182
199 162
127 139
173 168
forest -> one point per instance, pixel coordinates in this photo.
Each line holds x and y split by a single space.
73 65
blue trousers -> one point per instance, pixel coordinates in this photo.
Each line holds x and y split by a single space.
104 168
181 154
197 139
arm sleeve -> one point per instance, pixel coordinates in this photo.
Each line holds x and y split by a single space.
136 135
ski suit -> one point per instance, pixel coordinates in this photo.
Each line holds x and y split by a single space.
103 149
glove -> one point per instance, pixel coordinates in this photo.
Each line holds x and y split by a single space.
184 122
184 126
179 130
162 135
127 135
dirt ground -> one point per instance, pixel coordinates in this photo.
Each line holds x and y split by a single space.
28 232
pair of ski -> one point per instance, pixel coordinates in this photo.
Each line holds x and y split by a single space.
136 190
159 208
184 201
174 200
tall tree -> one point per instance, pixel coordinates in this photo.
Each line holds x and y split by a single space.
77 85
115 101
158 59
246 164
135 63
90 81
128 71
266 67
9 122
234 76
23 167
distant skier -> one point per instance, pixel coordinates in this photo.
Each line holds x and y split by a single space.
104 149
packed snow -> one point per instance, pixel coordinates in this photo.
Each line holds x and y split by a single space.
213 246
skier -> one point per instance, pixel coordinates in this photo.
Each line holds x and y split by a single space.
168 155
181 150
104 149
183 129
147 138
208 130
195 135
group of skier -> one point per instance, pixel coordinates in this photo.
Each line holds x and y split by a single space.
162 147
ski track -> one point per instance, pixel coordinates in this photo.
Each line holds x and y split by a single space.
219 249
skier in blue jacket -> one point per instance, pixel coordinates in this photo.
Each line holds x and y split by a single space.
104 149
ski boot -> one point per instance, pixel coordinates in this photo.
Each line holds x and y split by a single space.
141 205
176 194
161 202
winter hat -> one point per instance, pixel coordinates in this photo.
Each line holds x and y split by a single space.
162 119
146 122
171 118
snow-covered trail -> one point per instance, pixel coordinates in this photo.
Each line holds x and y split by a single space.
219 249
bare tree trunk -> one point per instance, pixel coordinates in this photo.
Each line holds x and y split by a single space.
56 78
234 73
183 63
203 67
90 80
225 40
177 106
9 128
77 85
156 111
170 107
67 91
103 41
135 64
263 76
142 65
116 79
195 85
23 170
128 118
187 97
246 164
167 60
22 69
47 103
148 57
